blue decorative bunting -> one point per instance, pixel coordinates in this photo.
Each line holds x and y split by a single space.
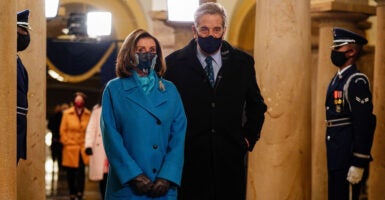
78 60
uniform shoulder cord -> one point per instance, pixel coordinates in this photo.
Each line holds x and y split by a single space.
346 86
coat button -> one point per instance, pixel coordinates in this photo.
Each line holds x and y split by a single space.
212 104
327 107
212 130
158 122
328 137
154 170
155 146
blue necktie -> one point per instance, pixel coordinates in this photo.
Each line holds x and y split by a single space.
209 70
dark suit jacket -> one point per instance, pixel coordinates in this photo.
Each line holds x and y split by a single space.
219 120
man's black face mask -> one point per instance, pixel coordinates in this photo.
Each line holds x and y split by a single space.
338 58
209 44
22 41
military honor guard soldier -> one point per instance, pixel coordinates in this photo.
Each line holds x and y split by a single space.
350 121
23 39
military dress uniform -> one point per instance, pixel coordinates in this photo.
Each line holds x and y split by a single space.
22 90
350 127
21 109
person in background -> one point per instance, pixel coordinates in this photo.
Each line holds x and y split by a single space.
350 119
98 165
54 126
224 108
23 40
72 135
143 124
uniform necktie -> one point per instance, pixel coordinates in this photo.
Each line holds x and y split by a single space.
209 70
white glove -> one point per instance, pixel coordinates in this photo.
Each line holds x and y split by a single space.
355 174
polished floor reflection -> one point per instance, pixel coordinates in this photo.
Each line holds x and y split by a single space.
56 185
56 181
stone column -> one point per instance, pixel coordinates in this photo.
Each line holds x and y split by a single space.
279 166
327 15
8 98
172 35
376 183
31 172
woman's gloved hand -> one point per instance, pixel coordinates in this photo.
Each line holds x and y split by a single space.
160 188
141 184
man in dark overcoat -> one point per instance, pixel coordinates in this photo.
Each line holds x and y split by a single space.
350 121
224 108
23 39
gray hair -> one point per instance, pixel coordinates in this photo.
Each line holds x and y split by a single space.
212 9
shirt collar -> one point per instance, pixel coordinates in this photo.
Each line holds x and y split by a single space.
340 72
216 57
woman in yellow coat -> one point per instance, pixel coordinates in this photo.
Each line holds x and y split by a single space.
72 135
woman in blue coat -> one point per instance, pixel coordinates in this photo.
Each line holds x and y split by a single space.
143 124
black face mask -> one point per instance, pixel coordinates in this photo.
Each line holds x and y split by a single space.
338 58
22 41
209 44
146 61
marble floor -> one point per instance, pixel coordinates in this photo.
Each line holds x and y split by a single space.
55 181
56 184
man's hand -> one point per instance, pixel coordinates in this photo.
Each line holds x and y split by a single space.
355 174
160 188
141 184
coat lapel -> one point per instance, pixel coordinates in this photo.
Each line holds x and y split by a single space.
189 56
157 96
151 103
337 80
193 62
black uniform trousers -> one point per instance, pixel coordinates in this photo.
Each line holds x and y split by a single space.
339 187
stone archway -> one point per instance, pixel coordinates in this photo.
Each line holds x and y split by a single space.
241 30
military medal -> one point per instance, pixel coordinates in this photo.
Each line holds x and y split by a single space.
338 108
338 100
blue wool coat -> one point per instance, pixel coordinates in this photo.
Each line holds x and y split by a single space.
142 134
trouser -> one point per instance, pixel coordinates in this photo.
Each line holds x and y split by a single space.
338 186
21 137
103 184
76 178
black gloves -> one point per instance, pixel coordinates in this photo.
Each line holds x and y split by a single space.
160 188
89 151
141 185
